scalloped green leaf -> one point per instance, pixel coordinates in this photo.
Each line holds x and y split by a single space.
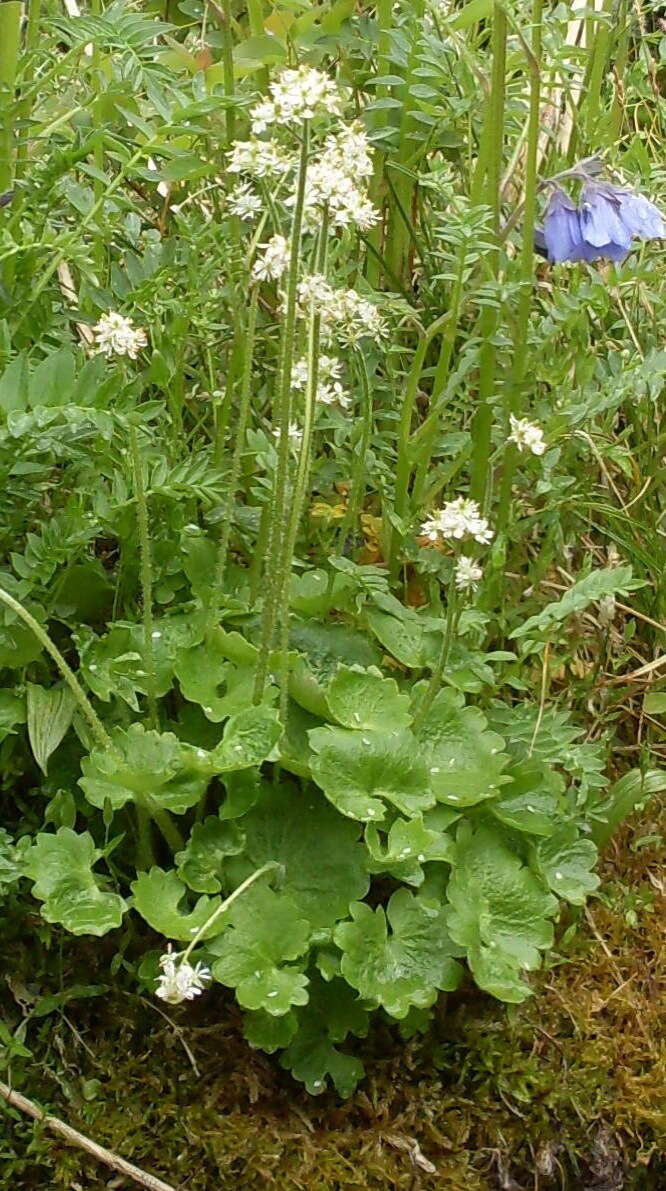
465 760
333 1012
199 865
362 698
153 768
158 898
566 861
61 866
408 846
325 647
405 967
263 934
532 803
360 771
498 910
250 737
323 859
208 678
265 1032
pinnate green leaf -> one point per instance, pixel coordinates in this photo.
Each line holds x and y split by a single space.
360 772
60 865
599 583
404 967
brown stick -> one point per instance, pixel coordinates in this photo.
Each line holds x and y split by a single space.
84 1143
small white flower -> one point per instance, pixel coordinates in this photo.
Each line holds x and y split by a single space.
458 519
468 574
345 315
180 980
302 94
243 201
260 159
527 436
262 115
295 435
274 262
115 335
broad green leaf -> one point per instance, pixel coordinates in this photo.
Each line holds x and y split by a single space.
332 1013
359 698
325 647
405 967
266 1032
323 859
499 910
409 845
114 665
263 934
61 866
207 677
50 713
12 713
405 638
655 703
199 865
589 589
159 896
14 384
154 769
360 771
565 861
313 593
465 760
52 381
533 801
250 737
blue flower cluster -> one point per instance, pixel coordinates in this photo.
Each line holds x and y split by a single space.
601 227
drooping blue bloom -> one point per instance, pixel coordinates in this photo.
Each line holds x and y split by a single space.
562 229
603 228
641 216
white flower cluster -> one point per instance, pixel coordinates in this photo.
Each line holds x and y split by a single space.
332 182
330 391
459 518
274 262
180 981
260 159
294 434
297 95
345 315
468 574
527 436
244 201
117 336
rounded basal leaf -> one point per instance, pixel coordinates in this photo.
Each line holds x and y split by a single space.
320 852
333 1012
497 904
61 867
409 845
153 768
325 647
264 933
200 863
361 699
360 771
565 861
263 1031
404 967
496 973
249 738
405 637
159 897
295 751
207 677
465 760
532 801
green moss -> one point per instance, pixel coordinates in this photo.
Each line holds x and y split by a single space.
573 1082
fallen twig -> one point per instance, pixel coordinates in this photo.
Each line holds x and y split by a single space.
84 1143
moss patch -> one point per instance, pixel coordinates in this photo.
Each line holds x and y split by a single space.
566 1091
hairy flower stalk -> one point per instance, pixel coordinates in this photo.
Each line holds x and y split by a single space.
278 525
146 569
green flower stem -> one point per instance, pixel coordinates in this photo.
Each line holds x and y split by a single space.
304 459
146 575
167 828
234 471
435 682
489 321
228 70
10 40
68 674
377 184
360 449
228 901
257 560
278 523
526 264
399 220
405 440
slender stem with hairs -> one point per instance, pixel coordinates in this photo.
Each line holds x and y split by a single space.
225 905
146 569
